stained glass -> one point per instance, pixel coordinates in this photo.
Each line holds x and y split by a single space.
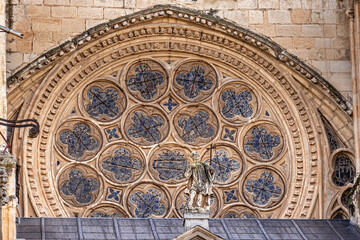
194 81
148 204
78 140
79 186
344 170
170 165
262 143
121 165
146 127
145 82
237 104
103 103
263 189
195 127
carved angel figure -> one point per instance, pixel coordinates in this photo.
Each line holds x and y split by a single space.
200 180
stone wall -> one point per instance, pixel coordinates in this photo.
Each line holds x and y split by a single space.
314 30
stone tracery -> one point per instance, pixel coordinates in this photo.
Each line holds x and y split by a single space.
288 120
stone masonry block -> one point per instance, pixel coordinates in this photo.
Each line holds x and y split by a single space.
269 4
57 2
63 12
46 24
340 66
301 16
240 17
279 16
312 31
112 13
247 4
90 13
303 42
256 17
288 30
290 4
81 3
329 30
92 22
73 25
108 3
37 11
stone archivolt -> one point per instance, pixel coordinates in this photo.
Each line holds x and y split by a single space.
184 60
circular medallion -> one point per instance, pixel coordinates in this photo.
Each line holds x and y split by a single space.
146 125
195 81
237 103
146 80
122 163
239 211
344 170
196 124
79 185
168 162
148 201
103 101
226 161
263 142
263 187
78 139
181 199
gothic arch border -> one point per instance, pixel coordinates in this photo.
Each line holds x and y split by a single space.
250 55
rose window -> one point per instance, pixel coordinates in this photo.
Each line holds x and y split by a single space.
124 141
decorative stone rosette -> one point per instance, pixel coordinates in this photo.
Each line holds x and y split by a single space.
146 80
263 187
168 162
103 100
146 125
122 163
194 81
263 142
226 161
148 200
237 102
79 185
196 125
79 140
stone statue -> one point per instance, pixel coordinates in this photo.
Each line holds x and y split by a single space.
199 189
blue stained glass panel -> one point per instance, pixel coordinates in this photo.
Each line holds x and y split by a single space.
145 82
147 127
79 186
148 204
263 189
122 165
194 81
195 127
103 103
78 140
237 104
262 143
223 165
170 165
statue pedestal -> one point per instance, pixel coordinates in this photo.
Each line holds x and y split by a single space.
196 218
